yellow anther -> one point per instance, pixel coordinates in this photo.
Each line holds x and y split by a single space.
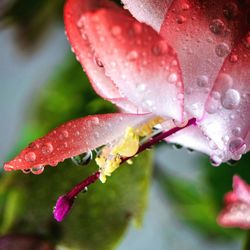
128 145
111 157
146 129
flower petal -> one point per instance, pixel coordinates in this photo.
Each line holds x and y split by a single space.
235 215
74 22
192 137
202 33
138 60
73 138
227 117
151 12
237 210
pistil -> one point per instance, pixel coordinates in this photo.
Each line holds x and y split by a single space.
64 203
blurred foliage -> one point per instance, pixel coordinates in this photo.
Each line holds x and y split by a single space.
100 217
199 203
31 18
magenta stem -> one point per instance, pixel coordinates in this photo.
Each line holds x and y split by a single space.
82 185
94 177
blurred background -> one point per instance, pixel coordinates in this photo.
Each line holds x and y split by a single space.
168 199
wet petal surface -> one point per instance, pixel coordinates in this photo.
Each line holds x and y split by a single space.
73 138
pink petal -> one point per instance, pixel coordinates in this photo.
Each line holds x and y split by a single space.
227 117
73 138
74 21
151 12
192 137
141 64
202 35
241 189
235 215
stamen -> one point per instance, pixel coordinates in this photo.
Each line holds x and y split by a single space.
64 203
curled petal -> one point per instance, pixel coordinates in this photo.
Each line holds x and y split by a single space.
143 66
151 12
202 34
75 30
227 117
73 138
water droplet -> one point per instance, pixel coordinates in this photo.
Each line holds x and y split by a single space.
47 148
225 138
132 55
230 10
116 30
65 133
237 146
215 160
222 50
141 87
95 120
233 58
202 81
37 170
177 146
230 99
212 145
236 131
98 62
172 78
216 95
212 106
26 171
217 26
30 157
82 159
185 6
180 19
159 48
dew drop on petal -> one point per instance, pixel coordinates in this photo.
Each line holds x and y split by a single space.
82 159
217 26
159 48
98 62
26 171
132 55
202 81
236 131
47 148
37 170
233 58
172 78
141 87
180 19
222 50
215 160
230 99
30 157
237 146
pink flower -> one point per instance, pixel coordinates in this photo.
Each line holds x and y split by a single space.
237 206
180 65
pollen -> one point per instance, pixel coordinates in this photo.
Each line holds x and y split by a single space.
128 145
146 129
